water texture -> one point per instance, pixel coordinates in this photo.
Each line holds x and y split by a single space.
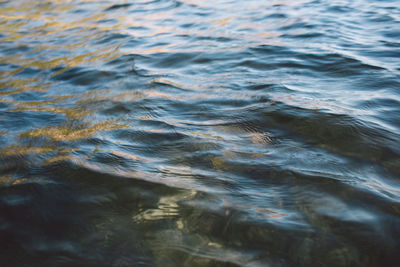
199 133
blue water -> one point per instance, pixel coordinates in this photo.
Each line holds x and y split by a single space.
199 133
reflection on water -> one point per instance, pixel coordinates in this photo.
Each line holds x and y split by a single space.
199 133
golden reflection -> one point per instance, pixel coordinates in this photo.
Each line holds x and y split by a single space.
23 85
256 137
48 153
52 24
15 150
72 132
148 117
20 150
75 112
47 21
205 135
260 138
228 154
7 180
83 105
58 158
67 62
129 156
157 94
219 163
221 22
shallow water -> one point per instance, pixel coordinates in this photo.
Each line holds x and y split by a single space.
199 133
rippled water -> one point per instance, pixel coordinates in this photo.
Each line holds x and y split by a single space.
199 133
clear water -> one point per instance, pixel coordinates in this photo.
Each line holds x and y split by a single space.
199 133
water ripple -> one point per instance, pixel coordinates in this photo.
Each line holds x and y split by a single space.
198 133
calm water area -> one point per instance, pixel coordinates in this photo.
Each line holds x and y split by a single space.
199 133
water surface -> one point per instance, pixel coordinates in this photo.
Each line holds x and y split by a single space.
199 133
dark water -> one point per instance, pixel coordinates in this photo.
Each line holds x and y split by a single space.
199 133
